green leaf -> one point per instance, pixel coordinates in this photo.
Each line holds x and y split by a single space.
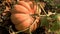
55 24
44 22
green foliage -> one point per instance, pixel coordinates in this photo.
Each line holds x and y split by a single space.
51 22
44 22
55 26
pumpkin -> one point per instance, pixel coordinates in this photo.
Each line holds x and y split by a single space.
20 17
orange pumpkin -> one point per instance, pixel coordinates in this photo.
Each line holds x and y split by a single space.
21 17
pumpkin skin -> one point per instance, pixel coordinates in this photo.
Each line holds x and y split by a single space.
20 17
